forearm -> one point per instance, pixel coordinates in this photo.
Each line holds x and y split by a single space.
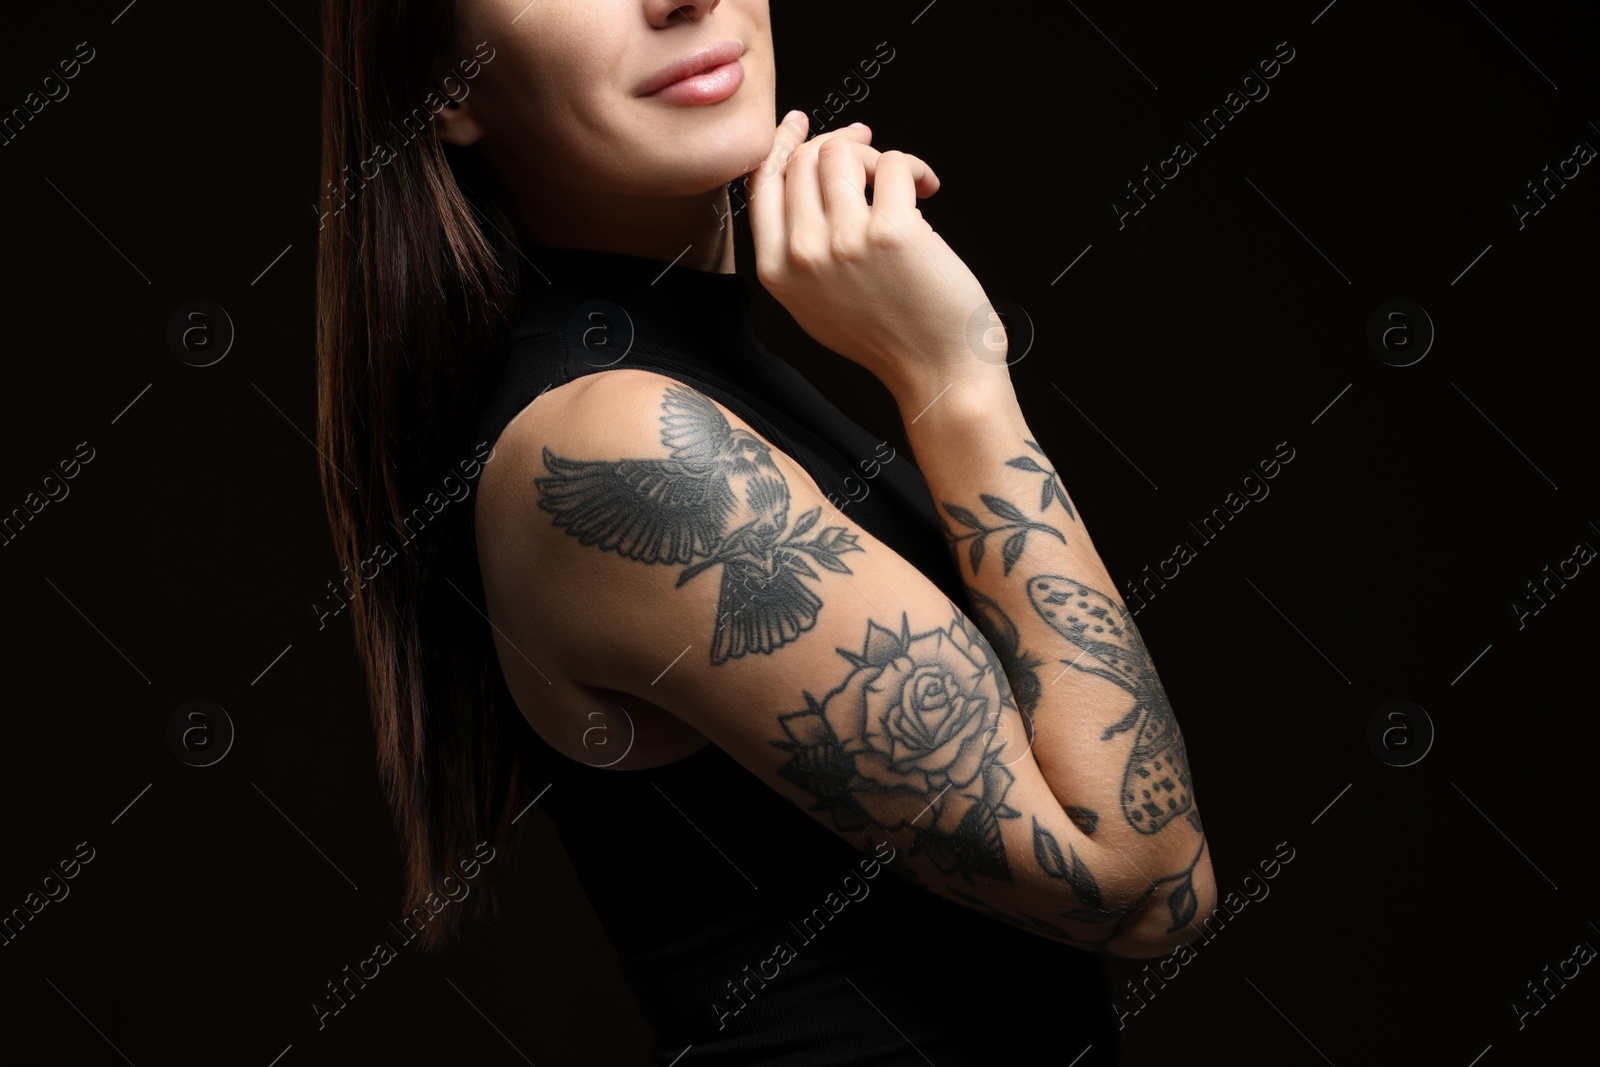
1103 733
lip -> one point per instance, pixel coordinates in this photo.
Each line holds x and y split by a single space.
700 61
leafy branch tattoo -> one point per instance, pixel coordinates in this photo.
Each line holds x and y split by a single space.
1155 784
1075 873
909 742
1094 924
718 500
1052 488
1013 518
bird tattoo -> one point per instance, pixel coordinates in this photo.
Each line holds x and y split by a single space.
718 499
1155 785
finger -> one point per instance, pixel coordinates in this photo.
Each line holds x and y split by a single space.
768 225
898 180
858 132
791 134
860 127
803 187
765 184
843 172
802 192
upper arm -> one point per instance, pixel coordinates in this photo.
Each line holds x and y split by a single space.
681 558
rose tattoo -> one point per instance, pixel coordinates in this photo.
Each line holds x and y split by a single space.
910 743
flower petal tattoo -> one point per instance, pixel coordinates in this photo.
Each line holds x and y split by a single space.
909 743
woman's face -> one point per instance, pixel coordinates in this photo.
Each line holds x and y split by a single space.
561 109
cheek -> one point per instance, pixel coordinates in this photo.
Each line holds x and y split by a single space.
560 102
554 61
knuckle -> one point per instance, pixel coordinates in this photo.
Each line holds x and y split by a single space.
834 147
847 245
768 274
807 253
880 232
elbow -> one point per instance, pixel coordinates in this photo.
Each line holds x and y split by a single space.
1169 921
1148 941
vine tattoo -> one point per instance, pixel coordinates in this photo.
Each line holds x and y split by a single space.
978 530
1052 488
1155 784
909 742
718 499
1093 925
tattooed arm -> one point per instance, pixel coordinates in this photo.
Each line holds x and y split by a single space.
637 538
1104 733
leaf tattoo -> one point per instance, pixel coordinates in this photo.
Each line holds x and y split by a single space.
1052 488
1181 902
1048 853
718 499
1095 924
1011 550
1087 927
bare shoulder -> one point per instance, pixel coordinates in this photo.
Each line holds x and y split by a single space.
641 541
648 470
608 408
609 413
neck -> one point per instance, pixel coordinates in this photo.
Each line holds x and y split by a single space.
688 231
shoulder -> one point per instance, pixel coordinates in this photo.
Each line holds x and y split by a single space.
639 465
613 414
593 408
604 413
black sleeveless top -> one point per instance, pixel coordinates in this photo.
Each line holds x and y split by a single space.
749 933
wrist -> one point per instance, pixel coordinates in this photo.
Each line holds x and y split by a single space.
977 392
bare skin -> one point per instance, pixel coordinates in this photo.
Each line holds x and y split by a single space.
678 580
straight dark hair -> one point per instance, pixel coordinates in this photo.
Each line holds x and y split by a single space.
416 282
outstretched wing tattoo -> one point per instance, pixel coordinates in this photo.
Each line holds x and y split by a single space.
718 499
650 510
1155 784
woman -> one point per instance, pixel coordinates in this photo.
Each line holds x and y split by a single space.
739 696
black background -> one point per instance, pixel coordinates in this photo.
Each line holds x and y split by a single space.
1225 318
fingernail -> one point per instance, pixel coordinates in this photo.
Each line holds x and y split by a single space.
793 115
853 125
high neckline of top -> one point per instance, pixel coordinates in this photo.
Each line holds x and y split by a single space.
565 266
699 316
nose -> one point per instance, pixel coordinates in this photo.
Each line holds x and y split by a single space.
661 11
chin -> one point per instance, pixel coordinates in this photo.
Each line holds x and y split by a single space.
718 152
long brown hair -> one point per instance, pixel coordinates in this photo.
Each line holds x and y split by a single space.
416 276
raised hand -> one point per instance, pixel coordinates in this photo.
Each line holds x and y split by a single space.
873 282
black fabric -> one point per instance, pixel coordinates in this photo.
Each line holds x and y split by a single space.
697 870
